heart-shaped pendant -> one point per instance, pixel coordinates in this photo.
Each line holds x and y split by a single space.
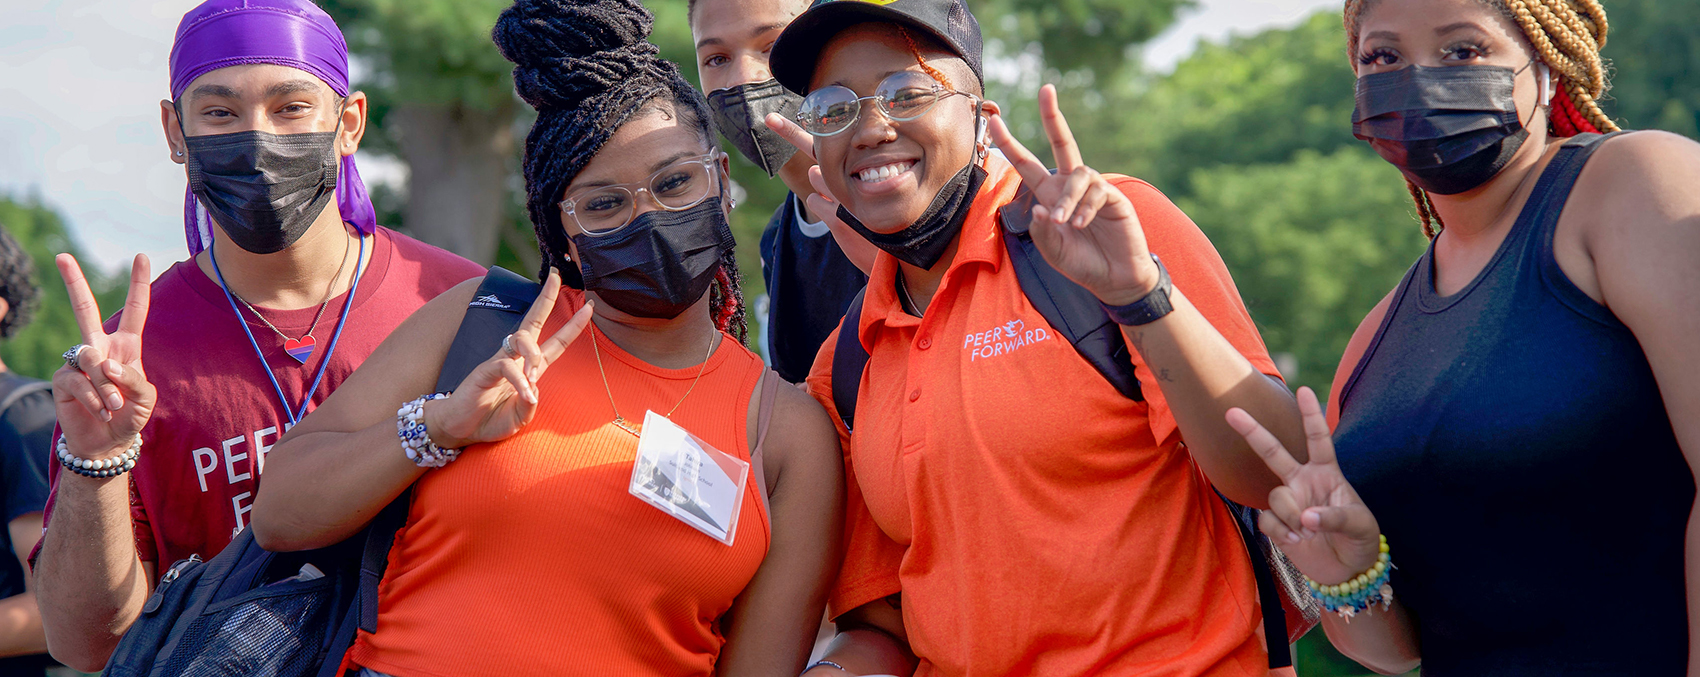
300 349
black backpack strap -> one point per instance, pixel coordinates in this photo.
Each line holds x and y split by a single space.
18 392
495 311
1069 307
1075 312
1268 592
849 358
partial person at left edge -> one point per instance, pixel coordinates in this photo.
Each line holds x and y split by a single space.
169 409
26 435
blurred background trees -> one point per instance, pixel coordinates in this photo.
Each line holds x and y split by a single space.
1250 136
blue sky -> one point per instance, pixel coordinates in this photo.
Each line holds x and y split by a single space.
80 82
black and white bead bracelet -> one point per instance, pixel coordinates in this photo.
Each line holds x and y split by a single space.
99 469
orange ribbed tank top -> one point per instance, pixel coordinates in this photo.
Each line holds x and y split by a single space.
529 557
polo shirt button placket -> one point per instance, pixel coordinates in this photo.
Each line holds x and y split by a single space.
925 342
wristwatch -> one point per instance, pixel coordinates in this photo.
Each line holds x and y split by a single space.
1149 309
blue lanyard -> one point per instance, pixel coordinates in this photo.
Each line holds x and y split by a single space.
342 321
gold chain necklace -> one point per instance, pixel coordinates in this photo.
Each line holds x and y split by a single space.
620 421
322 304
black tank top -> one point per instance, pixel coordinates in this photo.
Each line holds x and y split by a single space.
1512 442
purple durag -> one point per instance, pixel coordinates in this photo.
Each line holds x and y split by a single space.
293 33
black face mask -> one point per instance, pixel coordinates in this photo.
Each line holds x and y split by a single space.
659 264
739 112
924 242
263 189
1448 129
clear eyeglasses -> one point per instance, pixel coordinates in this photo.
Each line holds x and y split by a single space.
903 96
679 186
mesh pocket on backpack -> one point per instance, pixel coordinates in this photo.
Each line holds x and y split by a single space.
274 631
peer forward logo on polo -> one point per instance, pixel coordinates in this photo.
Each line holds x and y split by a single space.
1004 339
492 301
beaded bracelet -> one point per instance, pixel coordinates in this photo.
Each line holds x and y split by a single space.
416 440
1360 592
102 468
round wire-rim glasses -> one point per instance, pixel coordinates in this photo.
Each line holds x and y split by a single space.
681 185
901 97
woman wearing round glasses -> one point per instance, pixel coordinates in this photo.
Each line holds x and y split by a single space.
645 499
1011 511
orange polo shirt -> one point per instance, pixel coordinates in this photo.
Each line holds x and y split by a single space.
1036 521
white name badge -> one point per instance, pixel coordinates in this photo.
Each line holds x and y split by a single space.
688 478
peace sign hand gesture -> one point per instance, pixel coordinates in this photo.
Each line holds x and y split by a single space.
500 396
1085 227
104 402
1315 517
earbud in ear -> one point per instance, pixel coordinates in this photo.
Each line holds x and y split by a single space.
981 127
1544 74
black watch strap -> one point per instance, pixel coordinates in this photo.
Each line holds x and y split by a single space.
1149 309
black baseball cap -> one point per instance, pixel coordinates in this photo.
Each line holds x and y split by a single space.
798 49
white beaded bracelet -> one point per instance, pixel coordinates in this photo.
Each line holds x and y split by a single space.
101 468
416 440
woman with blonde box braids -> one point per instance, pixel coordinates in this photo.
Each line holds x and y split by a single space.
1508 484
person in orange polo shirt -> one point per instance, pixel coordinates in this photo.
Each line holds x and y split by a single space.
1010 512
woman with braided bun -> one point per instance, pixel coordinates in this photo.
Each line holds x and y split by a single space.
540 544
1509 483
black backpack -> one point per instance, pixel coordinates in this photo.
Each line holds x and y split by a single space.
1075 314
250 612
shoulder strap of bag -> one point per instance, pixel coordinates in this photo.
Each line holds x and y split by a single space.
1068 307
18 393
849 358
769 389
495 311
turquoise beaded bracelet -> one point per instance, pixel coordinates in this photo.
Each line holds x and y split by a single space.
1360 592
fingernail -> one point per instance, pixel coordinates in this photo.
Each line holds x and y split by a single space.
1292 537
114 402
106 416
114 368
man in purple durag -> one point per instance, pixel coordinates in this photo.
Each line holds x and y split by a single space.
169 407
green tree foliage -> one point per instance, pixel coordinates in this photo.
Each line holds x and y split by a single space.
1076 35
35 350
1313 243
1654 50
1251 100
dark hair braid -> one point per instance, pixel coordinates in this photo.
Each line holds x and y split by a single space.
588 68
17 285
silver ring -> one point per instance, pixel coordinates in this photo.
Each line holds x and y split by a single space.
508 346
71 356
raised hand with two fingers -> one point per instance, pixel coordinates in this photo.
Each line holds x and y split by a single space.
822 204
1084 226
102 396
1315 516
499 397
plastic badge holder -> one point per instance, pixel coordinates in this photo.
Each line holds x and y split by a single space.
688 478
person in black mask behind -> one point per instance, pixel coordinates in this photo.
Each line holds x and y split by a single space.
1521 415
810 276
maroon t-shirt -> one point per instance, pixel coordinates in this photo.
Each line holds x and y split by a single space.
218 414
